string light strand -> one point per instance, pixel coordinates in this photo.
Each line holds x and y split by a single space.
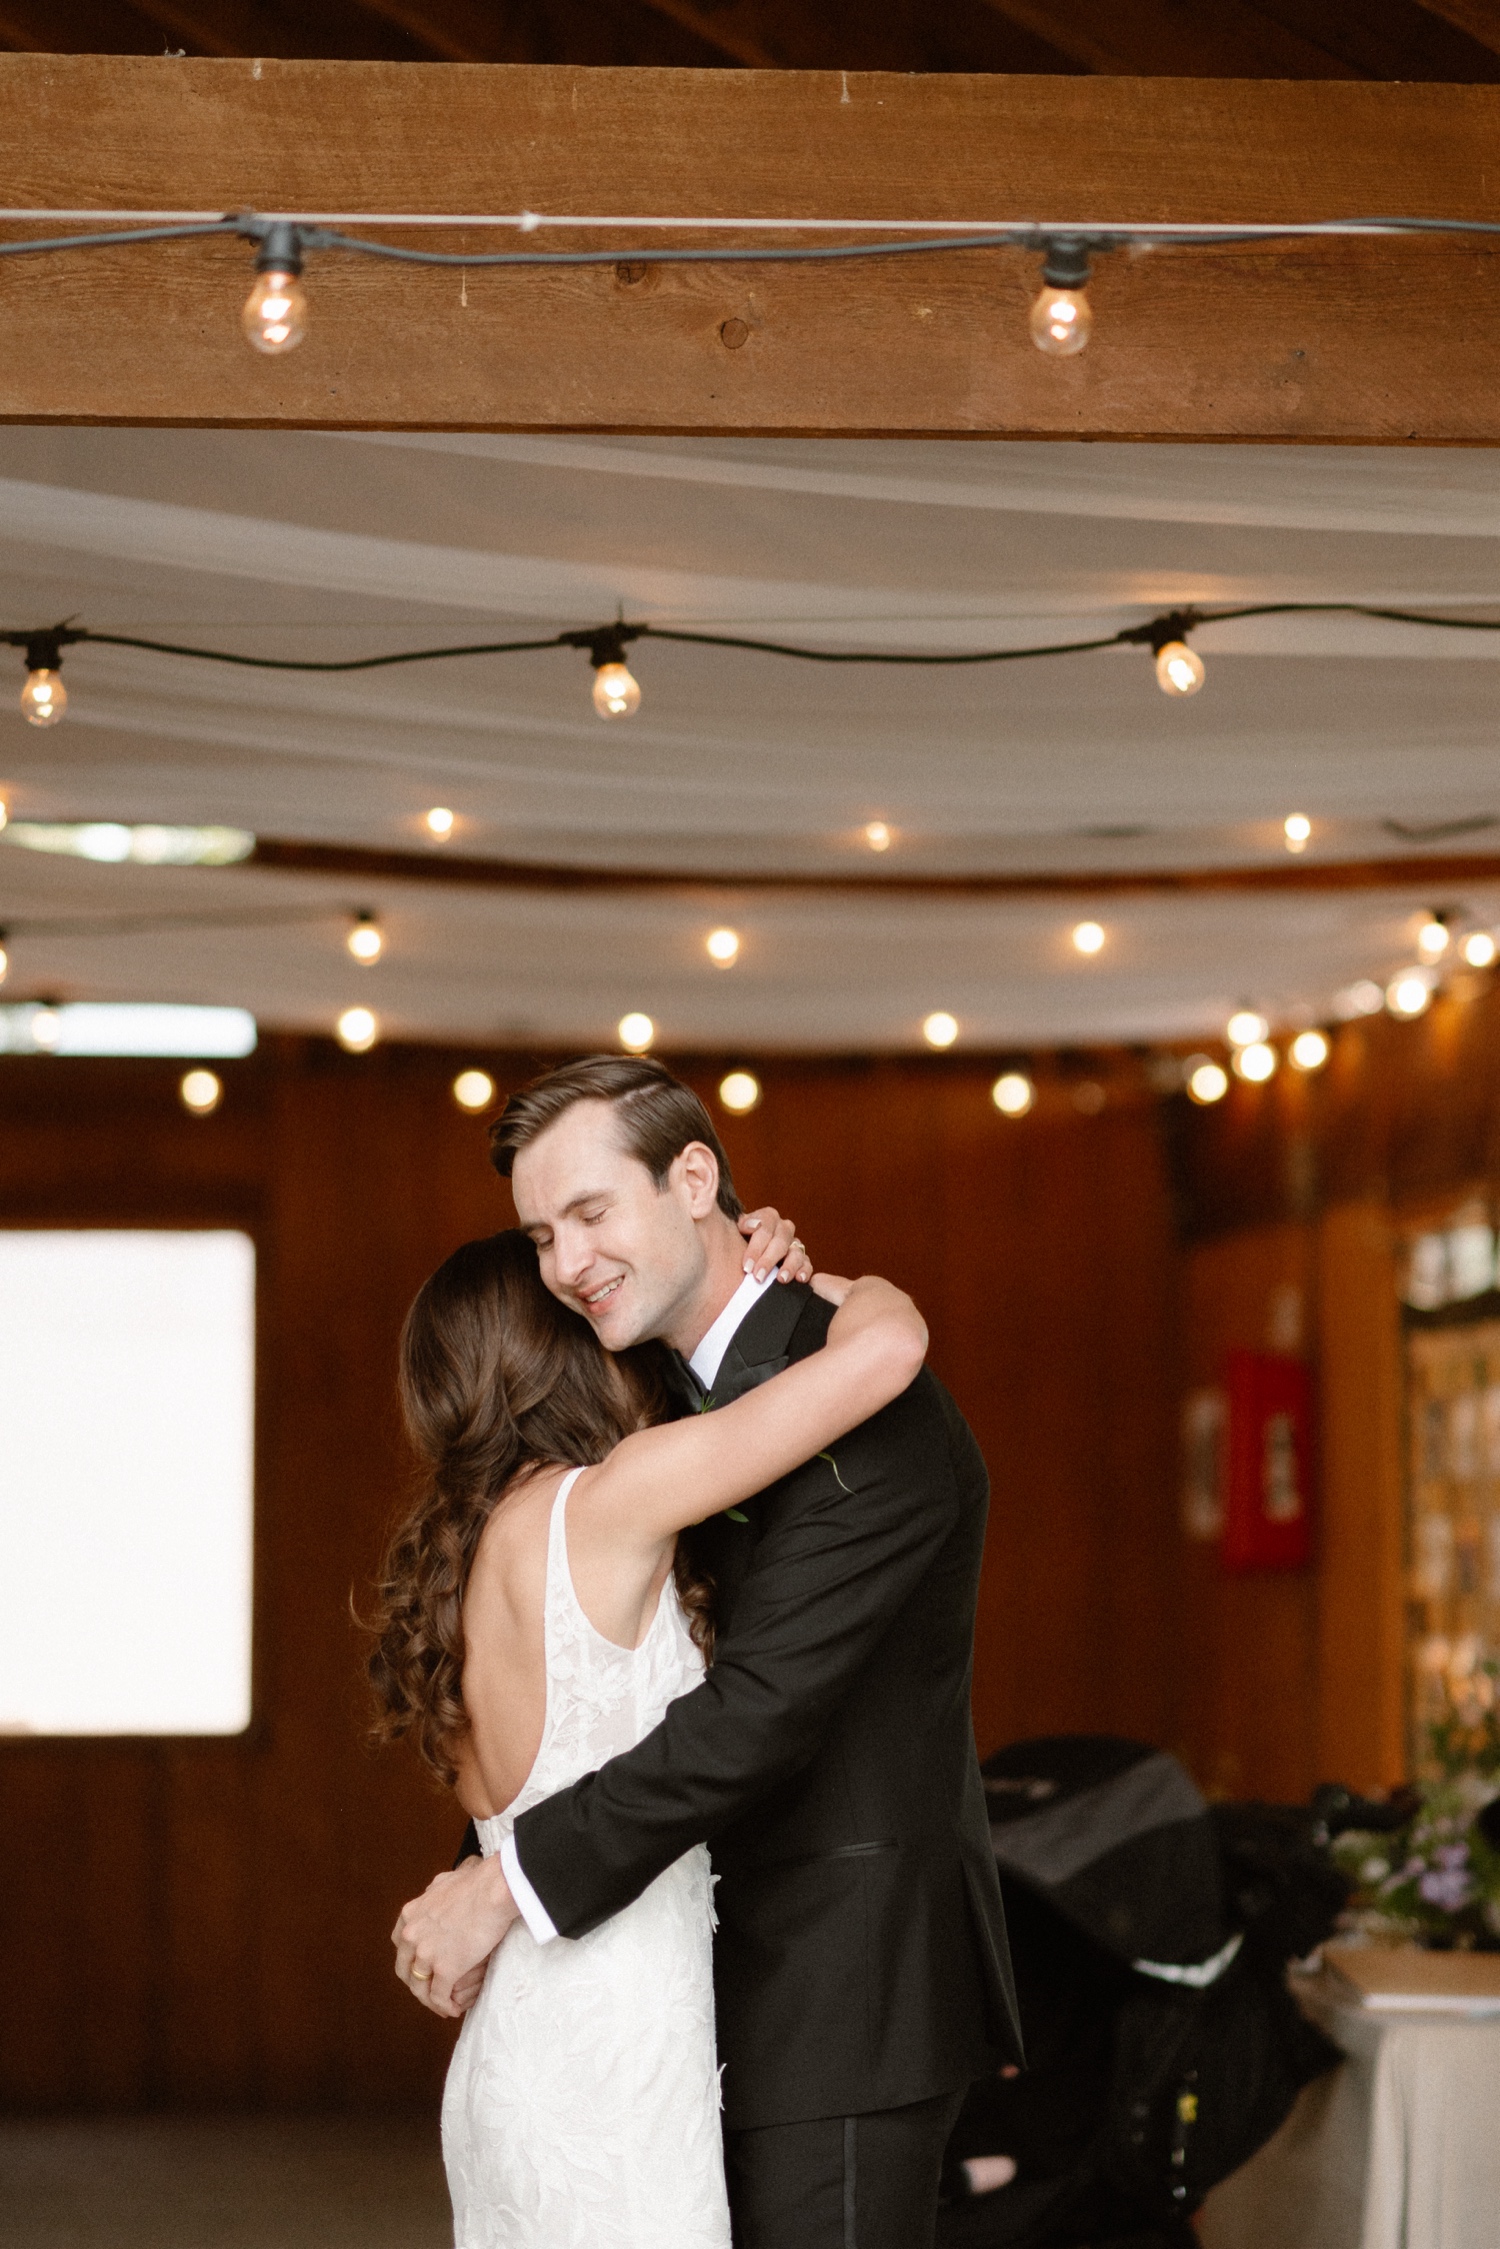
1061 318
616 693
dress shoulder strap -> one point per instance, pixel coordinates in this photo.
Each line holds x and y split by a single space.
559 1576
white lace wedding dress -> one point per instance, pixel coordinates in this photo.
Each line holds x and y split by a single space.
582 2103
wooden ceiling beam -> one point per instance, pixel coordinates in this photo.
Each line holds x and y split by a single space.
1430 871
1390 341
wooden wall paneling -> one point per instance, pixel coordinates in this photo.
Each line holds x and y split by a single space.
208 1897
1362 341
1291 1679
116 1844
1248 1676
1056 1417
976 1200
39 2051
1361 1683
1136 1369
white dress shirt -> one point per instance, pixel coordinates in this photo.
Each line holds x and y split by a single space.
709 1356
705 1363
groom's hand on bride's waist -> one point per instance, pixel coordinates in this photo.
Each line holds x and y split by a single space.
444 1938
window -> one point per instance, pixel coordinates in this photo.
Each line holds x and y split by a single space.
126 1429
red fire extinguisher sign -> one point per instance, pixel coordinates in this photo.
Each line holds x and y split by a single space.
1269 1482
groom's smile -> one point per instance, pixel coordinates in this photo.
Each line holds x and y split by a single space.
595 1299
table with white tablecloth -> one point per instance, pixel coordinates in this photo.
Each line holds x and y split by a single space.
1399 2148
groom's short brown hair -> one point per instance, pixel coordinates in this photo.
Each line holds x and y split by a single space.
659 1116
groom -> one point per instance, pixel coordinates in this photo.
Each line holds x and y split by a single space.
862 1977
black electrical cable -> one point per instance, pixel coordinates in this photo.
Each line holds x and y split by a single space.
1171 624
875 655
1030 235
300 664
184 233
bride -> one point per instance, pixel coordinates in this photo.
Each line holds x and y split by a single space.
536 1618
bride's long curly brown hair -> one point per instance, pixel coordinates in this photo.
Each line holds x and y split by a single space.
497 1380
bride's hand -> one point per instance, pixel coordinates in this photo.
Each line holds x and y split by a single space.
772 1240
832 1286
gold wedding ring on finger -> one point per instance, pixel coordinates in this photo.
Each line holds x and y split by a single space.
421 1975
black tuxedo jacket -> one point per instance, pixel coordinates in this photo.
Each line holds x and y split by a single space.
828 1759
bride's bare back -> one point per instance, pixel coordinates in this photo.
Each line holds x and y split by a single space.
623 1518
505 1670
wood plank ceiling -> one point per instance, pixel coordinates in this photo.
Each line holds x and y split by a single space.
1450 41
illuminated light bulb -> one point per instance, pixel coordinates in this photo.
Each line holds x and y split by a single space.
1309 1050
1060 314
877 835
617 691
366 940
636 1031
275 314
1297 829
940 1029
1245 1027
1257 1062
1479 949
1432 938
739 1092
1061 321
722 947
201 1092
4 958
46 1029
1179 669
439 823
44 697
357 1030
1088 938
1207 1083
1408 994
4 812
1013 1094
473 1090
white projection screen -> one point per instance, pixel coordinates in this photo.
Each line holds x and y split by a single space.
127 1374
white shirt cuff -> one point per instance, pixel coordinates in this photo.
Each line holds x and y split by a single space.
535 1915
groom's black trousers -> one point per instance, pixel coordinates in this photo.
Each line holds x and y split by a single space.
841 2182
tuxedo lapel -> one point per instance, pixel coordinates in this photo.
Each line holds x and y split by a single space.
759 1346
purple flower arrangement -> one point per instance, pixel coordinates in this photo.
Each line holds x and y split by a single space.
1435 1881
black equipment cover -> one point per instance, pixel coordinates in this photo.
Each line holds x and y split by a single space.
1150 1934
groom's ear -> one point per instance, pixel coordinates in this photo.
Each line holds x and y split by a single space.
697 1171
